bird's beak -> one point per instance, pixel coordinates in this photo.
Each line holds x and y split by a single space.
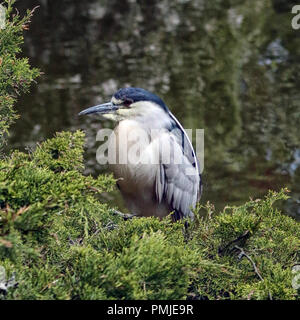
101 109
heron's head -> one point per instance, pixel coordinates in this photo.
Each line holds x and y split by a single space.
128 103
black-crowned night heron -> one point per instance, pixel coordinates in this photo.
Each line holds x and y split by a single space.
167 179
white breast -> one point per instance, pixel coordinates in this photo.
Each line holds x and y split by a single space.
136 168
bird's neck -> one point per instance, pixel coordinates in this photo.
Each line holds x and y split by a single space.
156 119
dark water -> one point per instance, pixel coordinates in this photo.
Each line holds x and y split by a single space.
229 67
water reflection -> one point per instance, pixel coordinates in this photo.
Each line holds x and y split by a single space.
230 67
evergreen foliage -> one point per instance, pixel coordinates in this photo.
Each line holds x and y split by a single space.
16 75
63 242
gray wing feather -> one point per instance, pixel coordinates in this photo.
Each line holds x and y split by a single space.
173 184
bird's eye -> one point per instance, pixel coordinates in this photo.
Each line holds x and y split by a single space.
127 102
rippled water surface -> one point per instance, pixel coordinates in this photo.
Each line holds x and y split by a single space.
229 67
